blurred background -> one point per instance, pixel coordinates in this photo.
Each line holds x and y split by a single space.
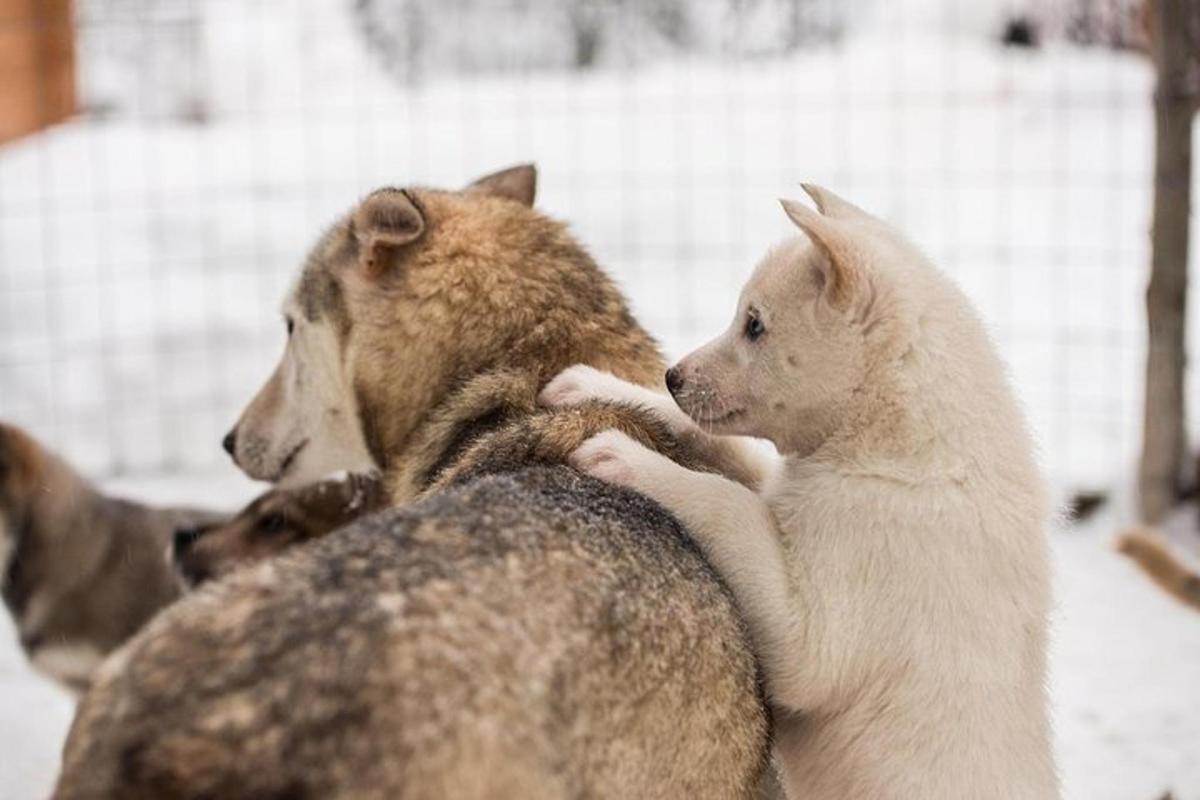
165 164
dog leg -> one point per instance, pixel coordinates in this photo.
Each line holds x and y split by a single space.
737 532
579 384
732 456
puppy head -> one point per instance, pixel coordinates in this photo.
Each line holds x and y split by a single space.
272 523
379 305
805 334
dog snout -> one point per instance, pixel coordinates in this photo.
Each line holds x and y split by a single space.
185 537
230 441
674 380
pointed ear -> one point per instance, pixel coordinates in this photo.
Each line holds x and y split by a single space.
384 222
841 278
335 501
515 183
830 205
5 457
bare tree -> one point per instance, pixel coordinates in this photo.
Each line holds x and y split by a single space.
1174 27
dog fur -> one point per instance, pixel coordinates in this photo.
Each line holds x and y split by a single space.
80 571
894 574
1150 550
520 631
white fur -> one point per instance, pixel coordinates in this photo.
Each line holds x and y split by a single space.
70 664
304 423
894 574
580 383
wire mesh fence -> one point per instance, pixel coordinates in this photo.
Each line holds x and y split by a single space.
146 243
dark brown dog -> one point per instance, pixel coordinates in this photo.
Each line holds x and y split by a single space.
273 522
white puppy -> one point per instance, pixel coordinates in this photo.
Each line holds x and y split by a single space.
894 571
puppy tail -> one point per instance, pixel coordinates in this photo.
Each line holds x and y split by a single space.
1154 555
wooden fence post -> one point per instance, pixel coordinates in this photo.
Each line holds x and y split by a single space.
1174 43
37 65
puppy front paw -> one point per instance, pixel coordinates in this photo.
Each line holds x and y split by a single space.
612 457
575 385
581 383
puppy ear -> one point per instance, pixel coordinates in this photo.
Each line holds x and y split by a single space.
332 503
369 491
515 183
383 223
831 205
5 457
841 278
16 450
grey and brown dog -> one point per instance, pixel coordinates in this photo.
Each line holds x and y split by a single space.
80 571
518 630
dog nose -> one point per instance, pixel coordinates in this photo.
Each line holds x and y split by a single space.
185 537
674 380
230 441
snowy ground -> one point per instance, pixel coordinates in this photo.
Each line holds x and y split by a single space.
1125 665
1124 675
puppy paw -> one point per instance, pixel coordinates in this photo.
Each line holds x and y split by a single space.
612 457
579 384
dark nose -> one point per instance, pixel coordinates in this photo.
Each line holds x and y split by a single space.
230 441
185 537
674 380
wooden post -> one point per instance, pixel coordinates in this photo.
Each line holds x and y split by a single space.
1174 44
37 65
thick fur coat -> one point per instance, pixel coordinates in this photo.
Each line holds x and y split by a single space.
80 571
894 572
521 631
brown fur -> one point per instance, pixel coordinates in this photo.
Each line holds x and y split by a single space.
273 522
519 631
463 293
83 571
1150 551
494 424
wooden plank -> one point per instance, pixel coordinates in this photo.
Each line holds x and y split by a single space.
37 65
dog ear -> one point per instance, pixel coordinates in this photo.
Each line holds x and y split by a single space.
13 447
332 503
385 221
831 205
4 454
515 183
841 278
22 460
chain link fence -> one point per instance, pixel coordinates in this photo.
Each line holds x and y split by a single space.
145 244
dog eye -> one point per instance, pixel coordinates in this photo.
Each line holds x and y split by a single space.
291 324
754 327
272 523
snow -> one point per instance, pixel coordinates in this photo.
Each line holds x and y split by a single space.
1124 669
141 260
